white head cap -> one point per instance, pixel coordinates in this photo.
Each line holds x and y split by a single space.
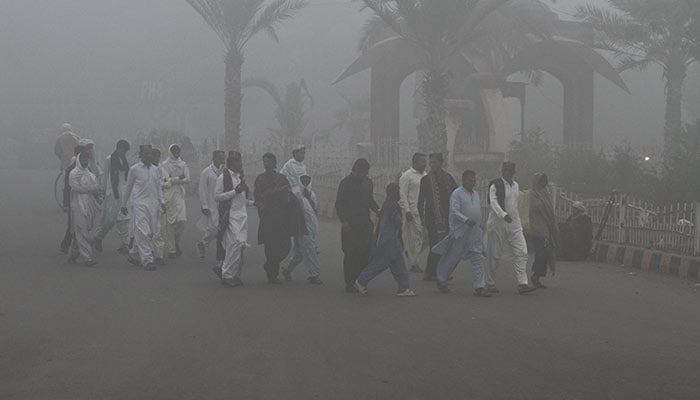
66 127
579 206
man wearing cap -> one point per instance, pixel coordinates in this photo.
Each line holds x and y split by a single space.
144 190
209 221
413 235
576 234
230 194
353 203
295 168
505 239
434 208
93 165
176 176
114 183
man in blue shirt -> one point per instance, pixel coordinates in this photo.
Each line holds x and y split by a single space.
465 240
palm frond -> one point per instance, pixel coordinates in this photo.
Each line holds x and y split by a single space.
627 63
373 31
269 18
211 12
266 86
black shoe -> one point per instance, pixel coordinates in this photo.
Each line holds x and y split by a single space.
536 282
178 252
98 245
217 271
123 249
315 280
351 289
493 289
133 261
65 250
482 292
159 261
231 282
172 255
522 289
287 275
73 260
150 267
444 289
274 281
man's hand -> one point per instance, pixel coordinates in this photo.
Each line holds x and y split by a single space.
471 222
345 227
124 211
241 187
409 217
182 177
162 207
508 219
206 212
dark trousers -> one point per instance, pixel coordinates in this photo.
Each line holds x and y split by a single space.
357 246
68 237
220 251
542 253
433 259
276 250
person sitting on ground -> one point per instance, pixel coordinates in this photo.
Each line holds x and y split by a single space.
576 234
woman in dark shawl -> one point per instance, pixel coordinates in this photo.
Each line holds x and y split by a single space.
543 232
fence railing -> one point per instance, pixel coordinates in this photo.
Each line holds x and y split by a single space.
671 227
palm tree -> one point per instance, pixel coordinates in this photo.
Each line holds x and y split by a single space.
290 112
640 33
236 22
437 30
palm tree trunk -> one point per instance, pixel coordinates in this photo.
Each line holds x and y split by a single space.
675 75
233 98
432 132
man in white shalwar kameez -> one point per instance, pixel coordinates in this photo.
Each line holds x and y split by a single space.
305 246
144 191
177 175
294 169
85 196
209 221
230 194
114 183
414 238
505 239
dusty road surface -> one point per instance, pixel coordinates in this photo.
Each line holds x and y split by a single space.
116 332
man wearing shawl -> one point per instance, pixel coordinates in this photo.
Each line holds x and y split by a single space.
65 145
576 234
176 176
85 196
305 245
413 233
68 236
434 208
466 239
230 194
209 221
353 203
294 169
95 167
280 216
505 239
146 195
543 233
114 182
389 250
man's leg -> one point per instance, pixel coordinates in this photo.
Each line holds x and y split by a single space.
361 257
231 268
82 238
108 218
143 243
539 265
169 237
178 230
308 252
297 255
413 243
433 259
276 250
492 258
449 261
68 236
122 227
478 274
518 250
398 269
380 262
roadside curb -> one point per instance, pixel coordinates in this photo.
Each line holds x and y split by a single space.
647 260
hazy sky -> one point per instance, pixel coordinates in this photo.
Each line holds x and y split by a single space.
113 67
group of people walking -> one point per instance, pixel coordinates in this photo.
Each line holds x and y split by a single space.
425 212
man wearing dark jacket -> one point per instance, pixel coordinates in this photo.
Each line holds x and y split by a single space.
353 203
